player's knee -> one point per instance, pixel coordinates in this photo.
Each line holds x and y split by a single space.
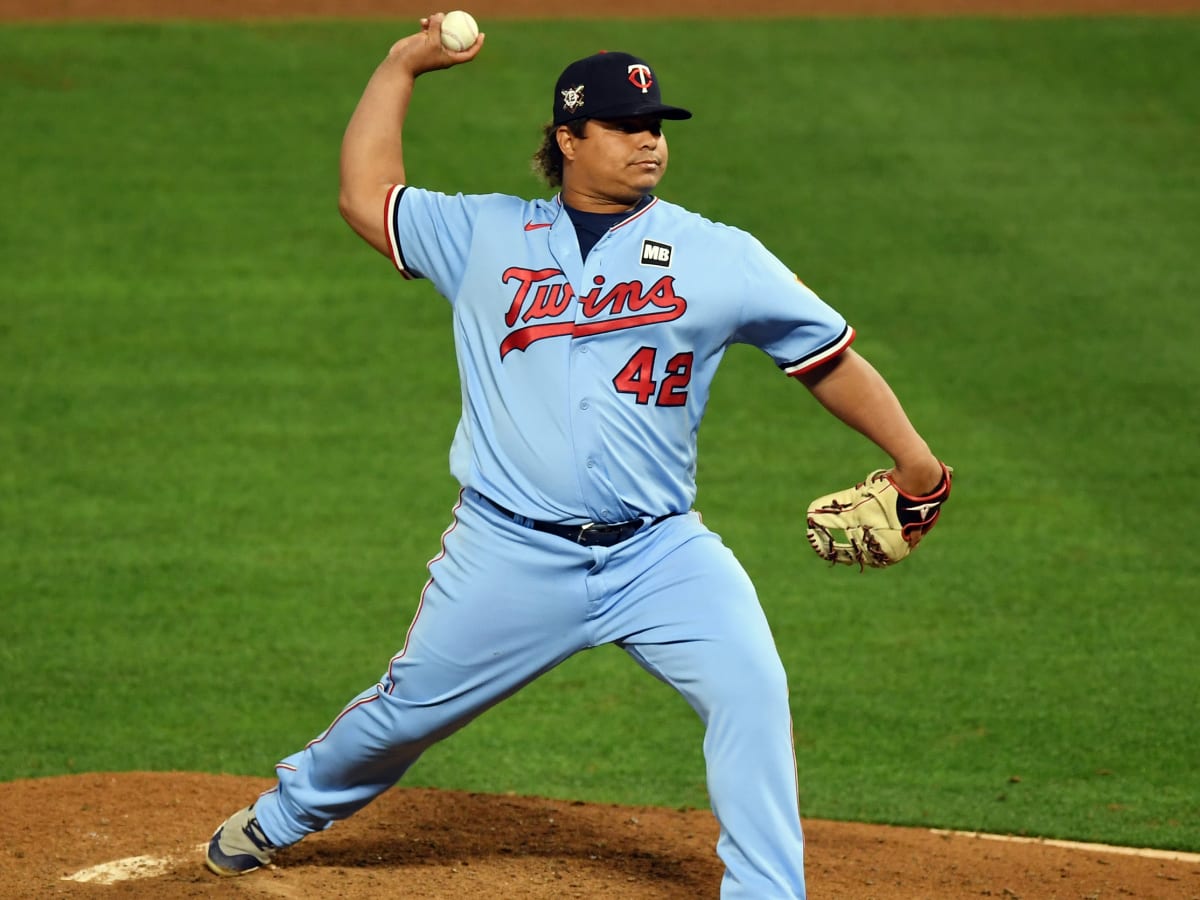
757 686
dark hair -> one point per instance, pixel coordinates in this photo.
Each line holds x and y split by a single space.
548 160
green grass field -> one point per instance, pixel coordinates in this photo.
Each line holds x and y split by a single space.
224 421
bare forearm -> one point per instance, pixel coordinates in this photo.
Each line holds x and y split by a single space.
372 148
372 157
372 151
856 393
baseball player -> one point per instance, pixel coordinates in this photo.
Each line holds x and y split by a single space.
588 329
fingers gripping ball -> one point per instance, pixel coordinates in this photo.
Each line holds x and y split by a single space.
458 30
873 524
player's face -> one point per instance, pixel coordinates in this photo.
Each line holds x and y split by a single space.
615 163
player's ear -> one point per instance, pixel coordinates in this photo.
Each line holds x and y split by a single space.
566 141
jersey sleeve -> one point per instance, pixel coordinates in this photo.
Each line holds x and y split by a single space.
430 233
784 318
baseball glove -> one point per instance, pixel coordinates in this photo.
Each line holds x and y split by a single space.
873 524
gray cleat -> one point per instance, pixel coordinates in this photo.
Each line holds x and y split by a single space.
239 846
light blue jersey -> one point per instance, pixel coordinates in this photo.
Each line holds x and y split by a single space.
584 382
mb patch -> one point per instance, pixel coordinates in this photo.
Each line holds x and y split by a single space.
655 253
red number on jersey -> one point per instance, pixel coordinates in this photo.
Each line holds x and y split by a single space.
674 386
637 378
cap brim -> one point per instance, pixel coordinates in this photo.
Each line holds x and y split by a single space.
650 109
629 112
675 112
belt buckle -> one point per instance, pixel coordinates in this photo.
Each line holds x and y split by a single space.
605 535
592 534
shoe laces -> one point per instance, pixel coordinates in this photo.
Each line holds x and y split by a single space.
257 836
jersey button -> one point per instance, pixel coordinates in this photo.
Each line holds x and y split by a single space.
591 463
583 404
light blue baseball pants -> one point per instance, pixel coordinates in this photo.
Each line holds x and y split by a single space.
503 605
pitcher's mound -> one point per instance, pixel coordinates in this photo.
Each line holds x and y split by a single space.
140 835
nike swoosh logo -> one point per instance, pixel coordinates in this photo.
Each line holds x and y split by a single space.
534 226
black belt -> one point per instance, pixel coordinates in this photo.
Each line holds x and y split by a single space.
589 534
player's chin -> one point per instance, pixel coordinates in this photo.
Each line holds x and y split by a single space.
646 177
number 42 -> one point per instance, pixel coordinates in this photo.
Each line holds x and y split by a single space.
637 378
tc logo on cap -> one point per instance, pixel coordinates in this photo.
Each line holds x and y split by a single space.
640 76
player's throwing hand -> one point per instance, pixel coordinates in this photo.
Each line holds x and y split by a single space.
426 51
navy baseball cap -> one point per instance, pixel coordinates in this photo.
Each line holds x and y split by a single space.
610 86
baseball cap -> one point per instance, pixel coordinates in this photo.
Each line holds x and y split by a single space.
610 86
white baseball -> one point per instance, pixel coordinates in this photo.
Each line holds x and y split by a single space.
459 30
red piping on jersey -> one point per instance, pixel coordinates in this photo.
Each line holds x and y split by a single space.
637 215
832 352
389 217
641 212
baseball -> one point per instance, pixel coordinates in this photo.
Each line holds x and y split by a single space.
459 30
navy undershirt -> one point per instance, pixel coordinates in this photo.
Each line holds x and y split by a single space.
590 227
